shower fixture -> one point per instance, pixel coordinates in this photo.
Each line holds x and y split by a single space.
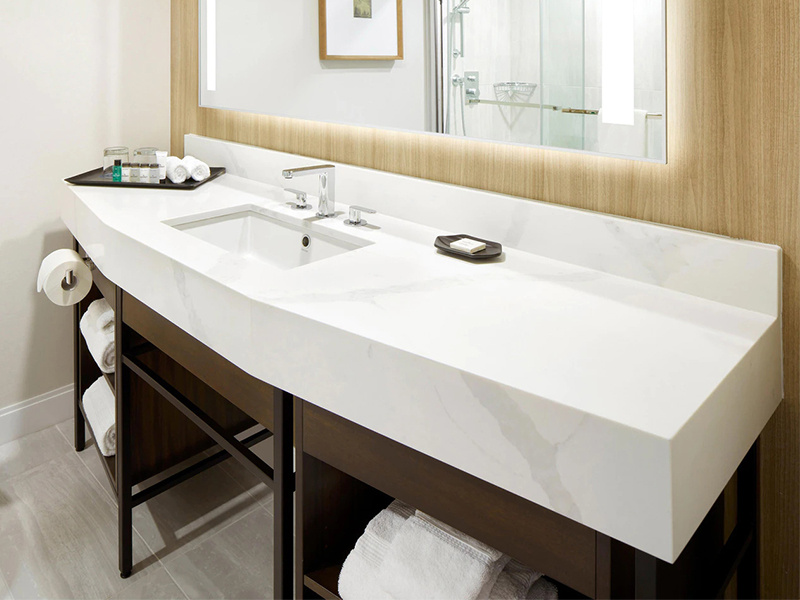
472 83
462 8
466 84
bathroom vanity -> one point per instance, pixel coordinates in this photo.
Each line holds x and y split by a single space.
580 403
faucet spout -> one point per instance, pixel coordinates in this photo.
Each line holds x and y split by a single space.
327 186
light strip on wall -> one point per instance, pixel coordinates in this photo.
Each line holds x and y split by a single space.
617 62
211 45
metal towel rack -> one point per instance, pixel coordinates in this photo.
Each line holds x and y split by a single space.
553 107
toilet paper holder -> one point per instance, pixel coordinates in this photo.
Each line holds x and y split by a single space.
69 280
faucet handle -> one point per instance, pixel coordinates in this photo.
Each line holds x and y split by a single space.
355 219
301 198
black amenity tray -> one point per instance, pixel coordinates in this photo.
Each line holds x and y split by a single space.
95 177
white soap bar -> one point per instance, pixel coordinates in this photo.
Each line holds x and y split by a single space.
468 245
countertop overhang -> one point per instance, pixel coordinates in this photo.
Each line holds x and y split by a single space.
618 403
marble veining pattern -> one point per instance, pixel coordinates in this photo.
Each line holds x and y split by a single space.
578 372
521 430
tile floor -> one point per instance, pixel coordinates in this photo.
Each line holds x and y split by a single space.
210 537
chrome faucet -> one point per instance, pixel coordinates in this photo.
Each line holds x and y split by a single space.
327 186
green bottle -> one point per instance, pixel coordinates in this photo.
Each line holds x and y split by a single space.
116 171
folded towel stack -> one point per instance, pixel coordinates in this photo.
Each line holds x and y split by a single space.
100 408
179 170
97 327
408 554
359 577
428 559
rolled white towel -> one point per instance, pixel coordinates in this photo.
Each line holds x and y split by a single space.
100 408
198 170
101 313
100 342
358 579
429 559
176 170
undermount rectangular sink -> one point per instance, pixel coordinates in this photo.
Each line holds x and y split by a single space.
268 238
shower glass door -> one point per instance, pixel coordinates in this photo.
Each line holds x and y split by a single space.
491 67
583 75
563 72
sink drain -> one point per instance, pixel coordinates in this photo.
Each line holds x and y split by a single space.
306 241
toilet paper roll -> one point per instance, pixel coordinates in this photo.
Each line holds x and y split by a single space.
53 273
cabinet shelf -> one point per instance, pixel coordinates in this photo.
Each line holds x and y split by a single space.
109 462
110 380
324 582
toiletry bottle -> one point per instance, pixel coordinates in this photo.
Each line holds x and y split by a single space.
155 173
116 173
126 171
144 173
161 158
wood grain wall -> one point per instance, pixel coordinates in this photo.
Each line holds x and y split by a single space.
733 168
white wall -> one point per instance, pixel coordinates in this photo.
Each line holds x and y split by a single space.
75 77
268 62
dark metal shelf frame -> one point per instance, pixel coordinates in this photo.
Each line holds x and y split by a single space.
131 345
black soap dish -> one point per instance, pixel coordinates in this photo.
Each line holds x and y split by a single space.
492 250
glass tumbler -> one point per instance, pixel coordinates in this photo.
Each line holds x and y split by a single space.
145 156
111 154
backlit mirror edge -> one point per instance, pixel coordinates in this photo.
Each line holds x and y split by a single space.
435 118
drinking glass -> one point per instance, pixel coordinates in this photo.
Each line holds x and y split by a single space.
111 154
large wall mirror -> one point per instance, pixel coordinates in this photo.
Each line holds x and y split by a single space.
583 75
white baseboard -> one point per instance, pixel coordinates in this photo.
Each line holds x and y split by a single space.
35 414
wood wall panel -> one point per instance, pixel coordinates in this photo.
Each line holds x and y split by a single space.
733 168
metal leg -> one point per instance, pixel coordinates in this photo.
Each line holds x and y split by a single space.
124 487
80 425
645 579
283 489
299 568
748 580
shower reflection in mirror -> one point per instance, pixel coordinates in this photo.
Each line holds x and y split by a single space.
578 74
582 75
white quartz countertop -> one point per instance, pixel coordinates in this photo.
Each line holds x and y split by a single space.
593 394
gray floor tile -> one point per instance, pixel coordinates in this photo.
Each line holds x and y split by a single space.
31 451
257 489
67 430
88 457
156 585
234 563
59 535
5 593
182 517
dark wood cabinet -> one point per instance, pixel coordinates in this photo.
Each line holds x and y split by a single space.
346 474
